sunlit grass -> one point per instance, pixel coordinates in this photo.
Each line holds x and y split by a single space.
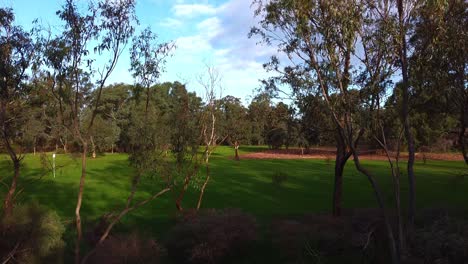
246 184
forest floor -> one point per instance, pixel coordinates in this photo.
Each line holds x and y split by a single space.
329 153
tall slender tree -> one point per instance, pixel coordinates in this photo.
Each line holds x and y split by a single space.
211 137
104 29
16 52
319 38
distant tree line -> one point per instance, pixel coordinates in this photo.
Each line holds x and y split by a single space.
263 122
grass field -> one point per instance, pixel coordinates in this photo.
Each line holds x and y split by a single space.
246 184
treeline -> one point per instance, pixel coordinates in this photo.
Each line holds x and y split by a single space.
121 107
263 122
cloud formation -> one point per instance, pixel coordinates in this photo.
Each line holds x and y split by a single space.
219 36
193 10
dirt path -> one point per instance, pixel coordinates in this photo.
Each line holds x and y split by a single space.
329 153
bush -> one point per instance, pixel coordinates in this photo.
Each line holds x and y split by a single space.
276 137
211 237
369 234
443 241
32 234
279 178
126 249
309 238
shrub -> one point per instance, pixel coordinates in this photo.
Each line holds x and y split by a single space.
289 237
279 178
122 249
93 235
32 234
369 234
212 236
310 237
443 241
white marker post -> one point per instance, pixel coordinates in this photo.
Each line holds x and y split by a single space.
53 163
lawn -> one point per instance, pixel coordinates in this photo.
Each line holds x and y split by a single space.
246 184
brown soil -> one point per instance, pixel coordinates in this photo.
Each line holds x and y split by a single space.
329 153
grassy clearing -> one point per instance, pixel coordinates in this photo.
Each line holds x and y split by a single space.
246 184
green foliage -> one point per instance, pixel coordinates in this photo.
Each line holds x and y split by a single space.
276 137
233 119
32 234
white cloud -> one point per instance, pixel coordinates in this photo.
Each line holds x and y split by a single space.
192 45
221 40
193 10
210 27
171 23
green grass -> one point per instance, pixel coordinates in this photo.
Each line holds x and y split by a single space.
246 184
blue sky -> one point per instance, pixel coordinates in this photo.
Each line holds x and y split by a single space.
205 32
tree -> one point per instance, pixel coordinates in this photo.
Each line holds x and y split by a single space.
258 112
209 125
233 122
185 136
147 62
112 115
404 11
439 66
320 39
315 125
282 128
16 52
67 55
327 59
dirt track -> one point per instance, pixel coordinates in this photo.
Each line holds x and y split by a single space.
329 153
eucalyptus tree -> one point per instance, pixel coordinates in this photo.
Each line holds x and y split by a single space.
103 30
439 65
147 63
210 133
233 121
319 38
16 53
185 137
405 10
112 116
258 112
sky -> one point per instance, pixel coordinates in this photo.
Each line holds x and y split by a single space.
206 32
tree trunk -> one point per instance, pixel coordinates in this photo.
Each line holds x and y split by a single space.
119 217
202 192
342 157
378 195
79 201
401 238
405 116
338 185
236 148
463 120
9 198
410 169
94 147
